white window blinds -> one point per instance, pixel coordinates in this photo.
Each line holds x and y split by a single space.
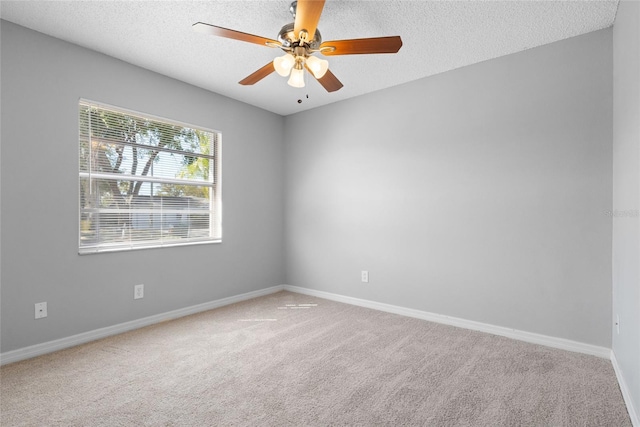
145 181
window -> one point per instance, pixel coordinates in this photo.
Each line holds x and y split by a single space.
145 181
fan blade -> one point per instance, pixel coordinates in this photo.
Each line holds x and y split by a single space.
212 30
329 81
258 75
362 46
307 16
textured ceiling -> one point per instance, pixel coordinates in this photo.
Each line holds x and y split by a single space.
437 35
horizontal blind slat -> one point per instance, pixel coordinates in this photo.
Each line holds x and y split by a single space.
106 141
124 177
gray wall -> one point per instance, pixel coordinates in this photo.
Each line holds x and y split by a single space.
42 80
626 193
478 193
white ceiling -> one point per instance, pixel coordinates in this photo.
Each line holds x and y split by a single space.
437 35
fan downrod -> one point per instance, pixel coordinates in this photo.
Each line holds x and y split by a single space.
289 39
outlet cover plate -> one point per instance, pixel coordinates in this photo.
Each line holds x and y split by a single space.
41 310
364 275
138 291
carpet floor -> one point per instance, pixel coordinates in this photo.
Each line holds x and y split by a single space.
290 359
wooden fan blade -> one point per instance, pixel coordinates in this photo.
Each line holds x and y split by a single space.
213 30
307 16
258 75
362 46
329 81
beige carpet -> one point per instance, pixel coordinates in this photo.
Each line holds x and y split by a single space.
289 359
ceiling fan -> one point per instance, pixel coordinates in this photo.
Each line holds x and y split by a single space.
300 40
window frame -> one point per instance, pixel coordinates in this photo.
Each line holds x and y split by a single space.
214 183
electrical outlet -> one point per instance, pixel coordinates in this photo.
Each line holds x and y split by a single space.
364 276
618 324
138 291
41 310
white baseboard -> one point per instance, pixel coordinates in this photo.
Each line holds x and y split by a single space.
560 343
62 343
51 346
545 340
633 414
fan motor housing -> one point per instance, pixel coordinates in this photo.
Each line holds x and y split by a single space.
288 38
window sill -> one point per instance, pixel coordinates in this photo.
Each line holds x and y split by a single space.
119 248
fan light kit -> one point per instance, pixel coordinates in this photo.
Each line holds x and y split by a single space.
300 40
